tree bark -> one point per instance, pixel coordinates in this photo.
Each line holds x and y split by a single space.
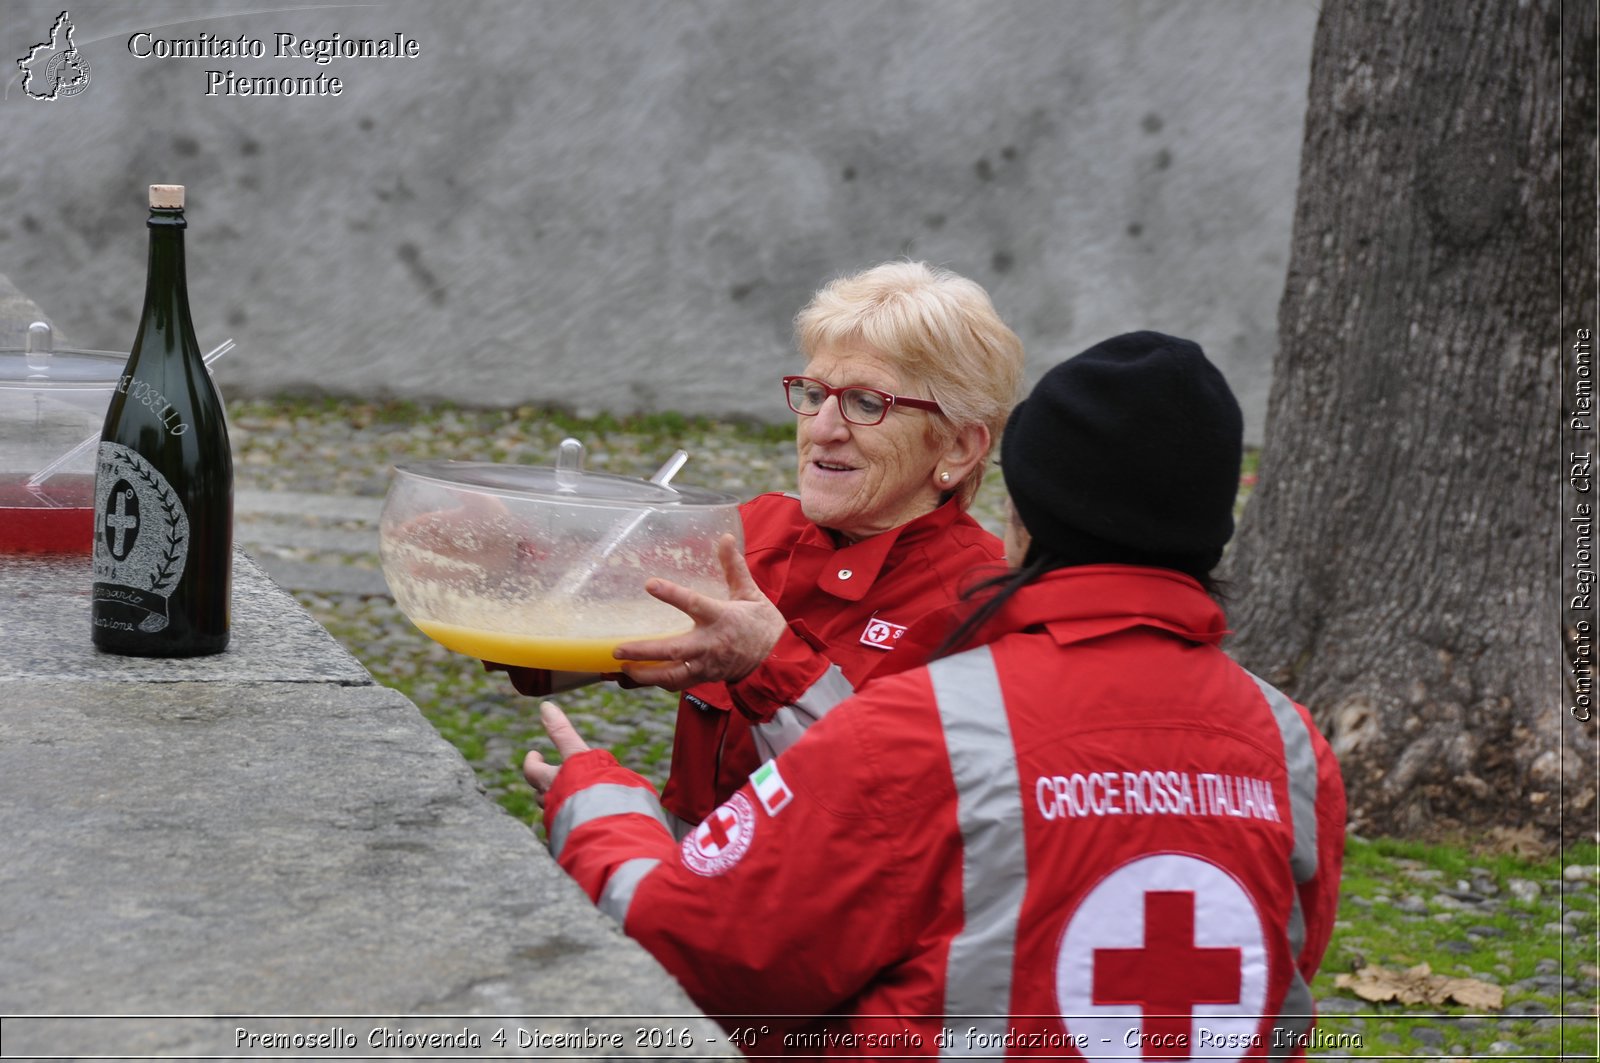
1397 569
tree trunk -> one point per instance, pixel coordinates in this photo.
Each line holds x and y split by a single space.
1397 570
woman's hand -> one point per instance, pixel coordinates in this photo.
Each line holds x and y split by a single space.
729 638
541 775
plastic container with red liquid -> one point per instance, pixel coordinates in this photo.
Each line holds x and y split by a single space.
50 402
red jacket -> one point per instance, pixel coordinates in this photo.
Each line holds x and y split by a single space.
1097 815
846 607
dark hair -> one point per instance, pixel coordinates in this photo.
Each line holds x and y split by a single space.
1001 588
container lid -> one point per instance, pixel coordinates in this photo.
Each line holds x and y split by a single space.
562 485
64 368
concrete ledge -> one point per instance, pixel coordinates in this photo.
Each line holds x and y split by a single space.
268 832
46 632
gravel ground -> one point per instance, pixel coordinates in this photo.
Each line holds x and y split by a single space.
1527 925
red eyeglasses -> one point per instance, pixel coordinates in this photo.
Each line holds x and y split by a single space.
859 405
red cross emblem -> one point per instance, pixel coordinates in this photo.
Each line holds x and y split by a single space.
880 634
721 841
713 836
1150 976
1163 949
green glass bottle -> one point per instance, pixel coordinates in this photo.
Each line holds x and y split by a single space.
163 534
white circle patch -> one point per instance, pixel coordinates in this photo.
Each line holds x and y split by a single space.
1164 959
722 840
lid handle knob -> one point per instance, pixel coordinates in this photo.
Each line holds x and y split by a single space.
38 348
569 465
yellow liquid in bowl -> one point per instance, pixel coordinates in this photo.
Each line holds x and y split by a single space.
533 651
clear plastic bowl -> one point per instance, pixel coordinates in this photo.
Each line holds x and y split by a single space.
545 567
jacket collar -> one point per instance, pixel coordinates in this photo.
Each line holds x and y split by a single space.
1076 604
849 571
1087 601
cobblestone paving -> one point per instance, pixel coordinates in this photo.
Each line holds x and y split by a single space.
310 479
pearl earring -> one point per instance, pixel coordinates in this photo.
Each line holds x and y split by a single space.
944 477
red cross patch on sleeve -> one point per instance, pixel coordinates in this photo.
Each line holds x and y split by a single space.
722 840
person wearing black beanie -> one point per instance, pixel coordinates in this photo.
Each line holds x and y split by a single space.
1128 453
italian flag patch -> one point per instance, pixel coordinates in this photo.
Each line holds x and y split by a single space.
770 788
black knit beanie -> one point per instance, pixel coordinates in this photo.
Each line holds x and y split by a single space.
1128 453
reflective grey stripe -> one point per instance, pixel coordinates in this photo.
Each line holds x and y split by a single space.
1294 1018
994 872
603 799
1301 760
791 721
618 894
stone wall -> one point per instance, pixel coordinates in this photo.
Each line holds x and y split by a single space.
620 204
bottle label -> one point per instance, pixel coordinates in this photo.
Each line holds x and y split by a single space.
141 541
154 401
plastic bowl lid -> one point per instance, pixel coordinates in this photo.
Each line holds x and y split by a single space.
560 485
64 368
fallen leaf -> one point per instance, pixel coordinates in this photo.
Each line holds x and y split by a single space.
1419 985
1472 993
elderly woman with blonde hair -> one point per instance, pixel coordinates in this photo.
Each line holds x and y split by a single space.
909 376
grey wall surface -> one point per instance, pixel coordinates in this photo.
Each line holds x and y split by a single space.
620 204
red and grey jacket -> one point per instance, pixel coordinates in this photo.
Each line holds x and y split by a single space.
1095 834
847 607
